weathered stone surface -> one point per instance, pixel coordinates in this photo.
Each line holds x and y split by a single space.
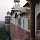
18 33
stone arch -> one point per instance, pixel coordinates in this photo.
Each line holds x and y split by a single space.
38 21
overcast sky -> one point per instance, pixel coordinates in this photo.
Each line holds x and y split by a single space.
6 5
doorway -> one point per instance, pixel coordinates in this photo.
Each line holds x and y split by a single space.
38 22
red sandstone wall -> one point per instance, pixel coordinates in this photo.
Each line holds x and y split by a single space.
7 27
18 33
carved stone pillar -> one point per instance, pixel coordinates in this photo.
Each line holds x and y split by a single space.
32 30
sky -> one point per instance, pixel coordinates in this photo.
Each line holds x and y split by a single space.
6 5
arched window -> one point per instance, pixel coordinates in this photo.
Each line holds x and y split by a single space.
16 15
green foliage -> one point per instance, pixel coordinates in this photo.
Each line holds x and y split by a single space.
3 34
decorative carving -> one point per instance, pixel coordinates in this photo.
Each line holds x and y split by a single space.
29 24
17 1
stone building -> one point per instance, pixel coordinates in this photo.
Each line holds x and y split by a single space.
7 22
21 17
35 23
19 22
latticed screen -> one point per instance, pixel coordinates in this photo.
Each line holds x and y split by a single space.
29 24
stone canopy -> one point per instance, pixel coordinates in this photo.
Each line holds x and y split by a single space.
36 1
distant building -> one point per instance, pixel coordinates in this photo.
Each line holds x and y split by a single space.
7 22
7 25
